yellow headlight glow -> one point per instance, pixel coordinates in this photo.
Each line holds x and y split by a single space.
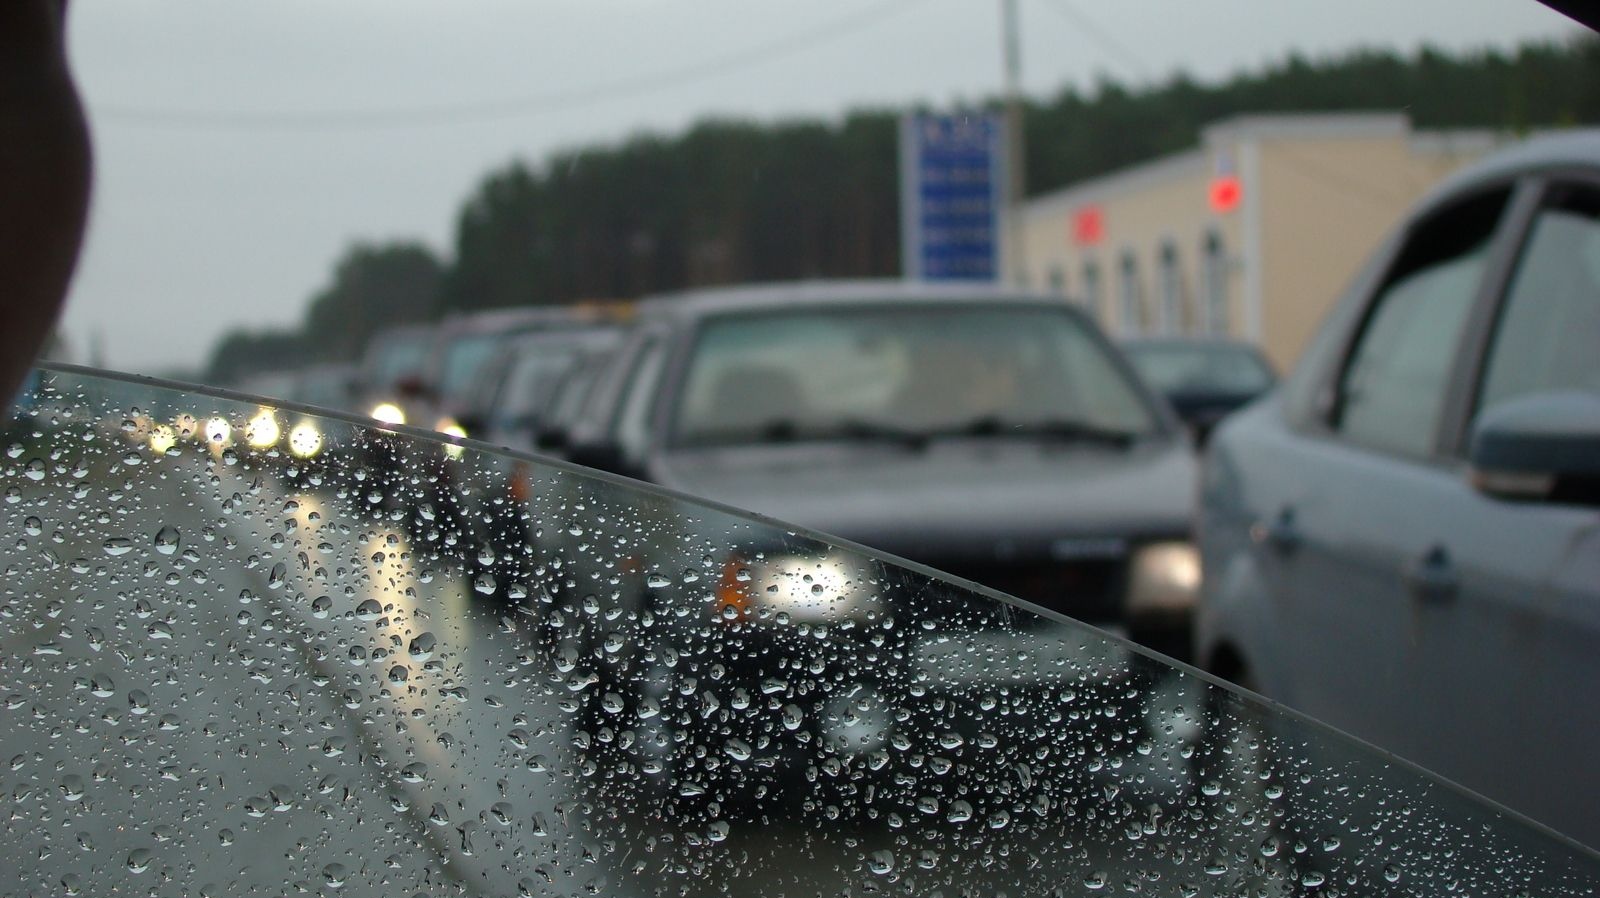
388 413
451 428
262 432
305 441
218 432
162 439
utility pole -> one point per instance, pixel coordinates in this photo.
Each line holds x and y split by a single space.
1015 256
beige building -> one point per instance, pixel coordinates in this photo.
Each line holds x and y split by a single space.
1253 234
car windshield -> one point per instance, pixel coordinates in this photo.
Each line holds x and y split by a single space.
244 655
915 369
573 392
1201 368
531 380
463 358
401 357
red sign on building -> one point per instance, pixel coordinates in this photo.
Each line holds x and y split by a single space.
1088 226
1225 193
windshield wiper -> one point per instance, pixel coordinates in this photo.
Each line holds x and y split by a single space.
787 430
1063 429
858 429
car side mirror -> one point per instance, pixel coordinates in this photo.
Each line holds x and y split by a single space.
1540 447
551 439
602 455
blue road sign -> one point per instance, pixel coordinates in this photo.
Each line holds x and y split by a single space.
952 193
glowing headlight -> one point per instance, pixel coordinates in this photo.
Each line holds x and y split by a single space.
305 440
388 413
798 587
262 432
1163 580
218 432
451 428
162 439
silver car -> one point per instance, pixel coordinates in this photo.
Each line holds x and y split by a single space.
1404 540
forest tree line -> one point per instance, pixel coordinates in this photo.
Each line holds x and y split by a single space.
738 201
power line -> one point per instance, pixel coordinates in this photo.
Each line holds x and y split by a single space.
470 113
1100 36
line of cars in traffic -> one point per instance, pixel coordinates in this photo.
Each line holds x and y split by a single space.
1402 540
994 435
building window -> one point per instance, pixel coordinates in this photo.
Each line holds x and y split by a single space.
1058 280
1130 298
1215 273
1091 291
1170 314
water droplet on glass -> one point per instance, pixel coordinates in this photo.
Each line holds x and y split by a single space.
117 545
881 862
422 646
793 717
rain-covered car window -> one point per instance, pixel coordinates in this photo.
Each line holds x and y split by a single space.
244 656
921 369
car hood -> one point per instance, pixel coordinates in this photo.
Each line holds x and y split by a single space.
973 498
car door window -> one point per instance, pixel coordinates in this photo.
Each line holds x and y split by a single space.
1549 327
1392 391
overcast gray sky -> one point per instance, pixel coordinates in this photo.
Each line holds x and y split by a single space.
228 178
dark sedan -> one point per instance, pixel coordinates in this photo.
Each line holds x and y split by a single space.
996 436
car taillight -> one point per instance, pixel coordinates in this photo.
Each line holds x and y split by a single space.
519 489
732 602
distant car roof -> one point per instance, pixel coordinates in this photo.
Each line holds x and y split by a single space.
812 294
528 318
1578 148
582 336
